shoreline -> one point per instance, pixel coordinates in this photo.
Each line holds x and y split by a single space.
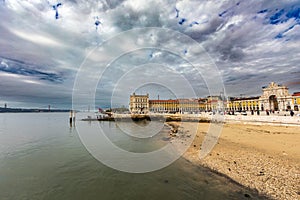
203 118
263 158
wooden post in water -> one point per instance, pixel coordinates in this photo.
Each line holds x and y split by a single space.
71 119
74 113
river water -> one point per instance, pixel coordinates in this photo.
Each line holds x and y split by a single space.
41 157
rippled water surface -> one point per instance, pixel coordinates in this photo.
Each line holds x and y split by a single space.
41 157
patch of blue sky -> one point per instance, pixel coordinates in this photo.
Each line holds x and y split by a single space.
294 13
281 35
281 17
277 17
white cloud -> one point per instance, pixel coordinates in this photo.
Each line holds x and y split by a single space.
36 38
4 64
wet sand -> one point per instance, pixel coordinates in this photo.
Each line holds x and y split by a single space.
262 157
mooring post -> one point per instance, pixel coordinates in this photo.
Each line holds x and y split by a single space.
71 114
74 113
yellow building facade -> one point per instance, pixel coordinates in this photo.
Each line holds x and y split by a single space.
296 101
243 104
140 104
176 106
274 98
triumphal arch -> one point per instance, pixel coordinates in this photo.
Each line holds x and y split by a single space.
275 97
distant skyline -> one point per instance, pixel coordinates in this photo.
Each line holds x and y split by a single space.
43 44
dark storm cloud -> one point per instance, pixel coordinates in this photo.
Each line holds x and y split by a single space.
28 69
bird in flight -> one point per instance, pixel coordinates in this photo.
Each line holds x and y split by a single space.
97 22
177 12
55 7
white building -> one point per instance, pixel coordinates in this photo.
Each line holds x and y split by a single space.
139 104
276 97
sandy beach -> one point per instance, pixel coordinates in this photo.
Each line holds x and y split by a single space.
262 157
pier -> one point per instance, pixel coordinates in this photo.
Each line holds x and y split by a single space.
207 117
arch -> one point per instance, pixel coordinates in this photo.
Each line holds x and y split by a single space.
273 103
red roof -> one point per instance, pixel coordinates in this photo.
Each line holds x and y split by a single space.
175 101
214 100
296 94
244 98
163 101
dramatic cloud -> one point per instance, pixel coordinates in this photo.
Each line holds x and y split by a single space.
44 43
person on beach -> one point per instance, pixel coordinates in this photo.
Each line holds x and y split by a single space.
292 113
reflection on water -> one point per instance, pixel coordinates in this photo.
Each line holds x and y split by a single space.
124 136
42 158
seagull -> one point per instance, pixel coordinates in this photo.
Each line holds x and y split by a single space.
194 23
97 22
177 12
151 55
182 21
55 8
229 9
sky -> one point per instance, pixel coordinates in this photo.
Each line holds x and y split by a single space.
48 49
